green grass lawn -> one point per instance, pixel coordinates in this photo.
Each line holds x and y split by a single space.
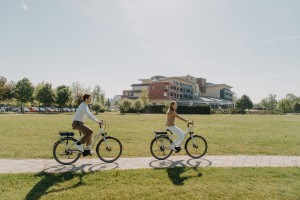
173 183
33 135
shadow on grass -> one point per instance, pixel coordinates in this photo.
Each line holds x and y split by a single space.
175 169
49 180
61 174
175 175
178 168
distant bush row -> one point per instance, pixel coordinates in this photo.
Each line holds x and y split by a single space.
180 109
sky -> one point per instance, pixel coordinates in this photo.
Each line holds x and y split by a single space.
251 45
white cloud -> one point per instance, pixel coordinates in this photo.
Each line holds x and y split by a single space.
24 7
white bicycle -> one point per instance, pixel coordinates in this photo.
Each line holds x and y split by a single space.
195 146
108 149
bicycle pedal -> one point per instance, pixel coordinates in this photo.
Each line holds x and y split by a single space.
177 149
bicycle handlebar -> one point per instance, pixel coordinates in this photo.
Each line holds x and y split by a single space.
190 123
100 124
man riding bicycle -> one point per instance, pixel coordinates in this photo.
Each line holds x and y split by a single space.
82 112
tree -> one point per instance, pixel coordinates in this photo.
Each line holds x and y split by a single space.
78 90
145 97
244 103
269 103
138 105
98 95
293 99
63 94
98 107
107 103
45 94
6 89
297 108
24 91
77 99
284 105
125 105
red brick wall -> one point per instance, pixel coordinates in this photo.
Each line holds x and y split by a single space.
157 90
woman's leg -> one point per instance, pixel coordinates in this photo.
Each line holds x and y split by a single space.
179 133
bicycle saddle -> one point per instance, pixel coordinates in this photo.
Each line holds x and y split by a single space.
160 132
66 133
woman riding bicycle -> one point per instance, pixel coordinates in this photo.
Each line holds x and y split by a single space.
83 111
170 123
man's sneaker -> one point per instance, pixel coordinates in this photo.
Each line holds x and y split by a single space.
79 147
88 152
92 152
172 147
177 149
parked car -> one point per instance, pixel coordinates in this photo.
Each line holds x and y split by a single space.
42 110
50 110
33 109
67 110
25 109
2 109
10 108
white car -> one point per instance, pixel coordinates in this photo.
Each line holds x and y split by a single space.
2 109
25 109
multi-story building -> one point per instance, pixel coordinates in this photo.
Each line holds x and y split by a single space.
186 90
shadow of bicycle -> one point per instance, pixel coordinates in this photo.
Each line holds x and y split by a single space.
176 169
62 173
158 164
82 168
42 188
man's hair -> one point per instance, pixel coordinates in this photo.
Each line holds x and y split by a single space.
85 96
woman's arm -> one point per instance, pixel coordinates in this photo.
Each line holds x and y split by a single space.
181 118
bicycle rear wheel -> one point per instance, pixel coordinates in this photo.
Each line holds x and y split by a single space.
109 150
196 147
159 147
65 152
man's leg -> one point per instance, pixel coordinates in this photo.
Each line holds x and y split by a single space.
87 132
89 141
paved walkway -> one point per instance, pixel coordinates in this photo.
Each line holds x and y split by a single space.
94 164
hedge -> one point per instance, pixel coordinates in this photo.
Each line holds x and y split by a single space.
180 109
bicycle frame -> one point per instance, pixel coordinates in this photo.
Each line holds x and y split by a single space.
161 146
101 132
190 130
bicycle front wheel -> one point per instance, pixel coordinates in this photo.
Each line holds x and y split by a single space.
196 146
65 151
160 147
109 150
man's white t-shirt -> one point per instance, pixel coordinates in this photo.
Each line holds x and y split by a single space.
83 111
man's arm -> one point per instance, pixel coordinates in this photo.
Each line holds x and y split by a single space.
91 116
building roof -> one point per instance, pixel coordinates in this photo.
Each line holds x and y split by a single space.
163 78
217 85
177 78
